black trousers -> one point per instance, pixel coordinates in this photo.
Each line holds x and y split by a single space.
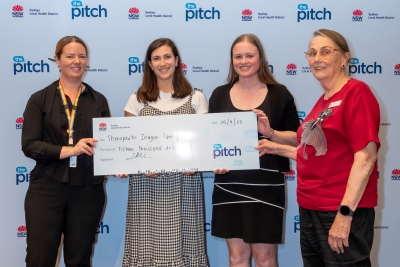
314 231
52 209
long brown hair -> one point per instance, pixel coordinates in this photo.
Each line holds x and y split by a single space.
66 40
149 91
264 73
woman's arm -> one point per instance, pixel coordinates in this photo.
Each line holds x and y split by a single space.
32 142
281 137
266 146
364 162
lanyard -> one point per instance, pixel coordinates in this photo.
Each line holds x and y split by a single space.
70 114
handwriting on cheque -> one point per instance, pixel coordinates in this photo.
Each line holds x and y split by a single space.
229 121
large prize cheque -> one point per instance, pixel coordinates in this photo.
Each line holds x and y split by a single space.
198 142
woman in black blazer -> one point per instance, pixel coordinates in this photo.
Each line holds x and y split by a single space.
64 197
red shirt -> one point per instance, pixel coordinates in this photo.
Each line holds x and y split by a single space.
355 119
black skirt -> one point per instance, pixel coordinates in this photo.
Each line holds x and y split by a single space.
249 205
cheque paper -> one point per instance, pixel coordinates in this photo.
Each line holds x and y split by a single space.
175 143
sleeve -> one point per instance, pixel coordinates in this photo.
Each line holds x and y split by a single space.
199 103
133 106
291 121
362 118
32 142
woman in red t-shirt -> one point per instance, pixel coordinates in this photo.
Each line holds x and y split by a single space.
336 160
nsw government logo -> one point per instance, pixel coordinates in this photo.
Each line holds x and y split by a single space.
184 68
355 67
21 231
133 13
304 13
19 123
247 15
397 69
102 127
79 11
291 69
396 174
17 11
192 12
135 66
290 175
357 15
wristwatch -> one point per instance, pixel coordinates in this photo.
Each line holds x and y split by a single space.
345 210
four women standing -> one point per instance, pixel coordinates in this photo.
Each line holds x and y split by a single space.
165 211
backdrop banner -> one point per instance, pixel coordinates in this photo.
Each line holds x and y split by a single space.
118 33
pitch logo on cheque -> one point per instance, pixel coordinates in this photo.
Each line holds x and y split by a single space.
220 151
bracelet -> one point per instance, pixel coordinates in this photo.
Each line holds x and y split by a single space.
271 133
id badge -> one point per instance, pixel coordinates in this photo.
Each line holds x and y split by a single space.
72 162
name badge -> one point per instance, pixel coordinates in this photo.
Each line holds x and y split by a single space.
335 104
72 162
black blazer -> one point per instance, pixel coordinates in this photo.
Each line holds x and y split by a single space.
44 133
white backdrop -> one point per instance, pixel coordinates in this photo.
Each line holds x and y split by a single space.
118 33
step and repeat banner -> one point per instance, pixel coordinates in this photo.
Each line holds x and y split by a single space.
118 33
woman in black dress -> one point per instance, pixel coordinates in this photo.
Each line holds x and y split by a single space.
248 205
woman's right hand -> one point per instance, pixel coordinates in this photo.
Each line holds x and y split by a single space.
221 171
85 146
121 175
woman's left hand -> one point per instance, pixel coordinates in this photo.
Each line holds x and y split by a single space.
339 233
263 125
266 147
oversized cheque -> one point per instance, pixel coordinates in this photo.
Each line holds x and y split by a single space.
198 142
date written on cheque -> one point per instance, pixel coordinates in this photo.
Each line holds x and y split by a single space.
229 121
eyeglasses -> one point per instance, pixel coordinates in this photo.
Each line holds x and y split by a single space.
324 53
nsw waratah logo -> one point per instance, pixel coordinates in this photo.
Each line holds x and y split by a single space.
357 15
21 231
184 68
19 123
102 126
396 174
290 175
291 69
247 15
17 11
133 13
397 69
